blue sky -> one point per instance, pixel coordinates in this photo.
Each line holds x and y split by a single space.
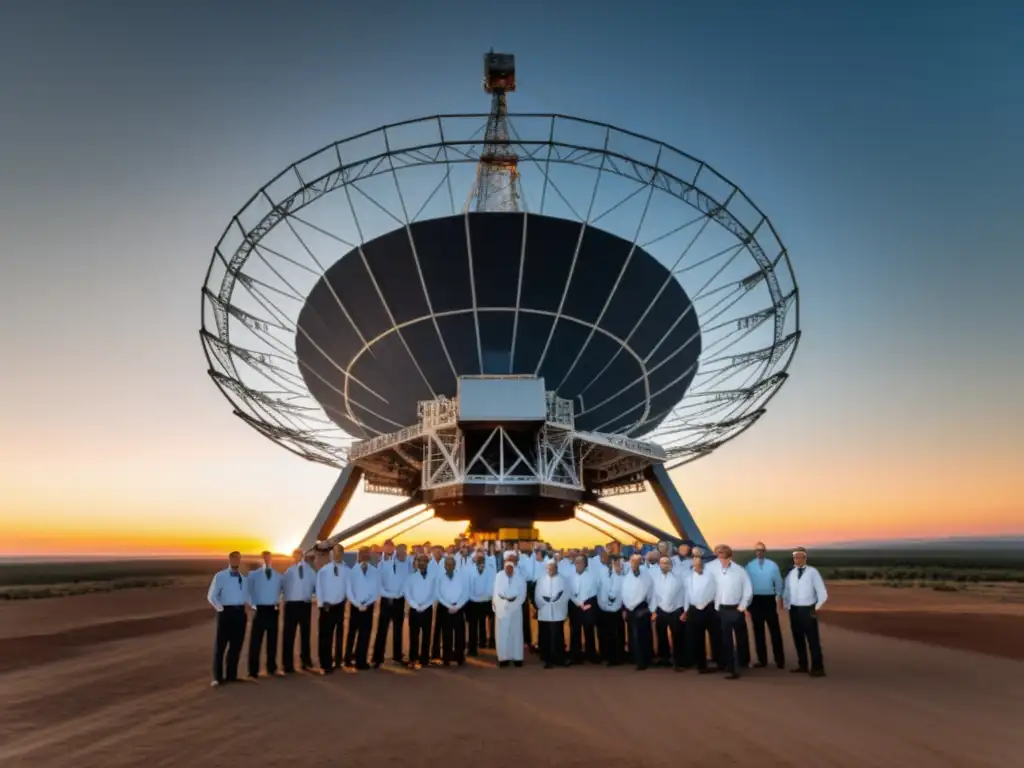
883 139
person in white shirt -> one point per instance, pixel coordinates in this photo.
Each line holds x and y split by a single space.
264 597
331 594
527 567
435 567
508 596
363 591
481 594
537 568
552 598
670 606
702 625
228 595
452 596
420 594
464 558
393 570
298 585
732 598
803 595
637 601
681 563
610 625
583 610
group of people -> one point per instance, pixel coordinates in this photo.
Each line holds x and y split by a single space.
665 607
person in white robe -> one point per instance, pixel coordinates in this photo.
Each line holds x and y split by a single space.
552 600
508 599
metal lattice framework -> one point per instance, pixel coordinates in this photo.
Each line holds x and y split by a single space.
700 226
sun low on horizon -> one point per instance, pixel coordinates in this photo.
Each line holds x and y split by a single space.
897 416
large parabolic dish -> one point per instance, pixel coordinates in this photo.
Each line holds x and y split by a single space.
352 296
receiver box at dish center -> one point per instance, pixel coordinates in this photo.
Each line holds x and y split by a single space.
505 400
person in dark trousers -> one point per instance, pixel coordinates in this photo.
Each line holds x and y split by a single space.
732 598
331 593
435 567
481 590
452 595
670 606
803 595
298 585
531 565
766 581
393 569
363 592
552 600
583 588
420 594
610 626
228 595
265 586
703 629
637 599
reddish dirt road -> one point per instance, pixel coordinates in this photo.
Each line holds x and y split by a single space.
121 679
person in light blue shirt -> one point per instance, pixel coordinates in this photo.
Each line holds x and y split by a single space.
265 589
298 586
766 580
228 595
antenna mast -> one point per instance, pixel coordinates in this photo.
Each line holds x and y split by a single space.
497 173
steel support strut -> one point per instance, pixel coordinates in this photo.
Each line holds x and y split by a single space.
333 507
670 500
370 522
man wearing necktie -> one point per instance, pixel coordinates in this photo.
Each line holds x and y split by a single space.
583 613
264 596
331 594
766 580
452 596
363 591
298 585
803 595
393 573
228 595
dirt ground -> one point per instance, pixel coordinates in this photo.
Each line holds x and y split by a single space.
915 678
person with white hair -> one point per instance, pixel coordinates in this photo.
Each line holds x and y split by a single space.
803 595
583 611
552 598
766 579
638 602
732 598
508 596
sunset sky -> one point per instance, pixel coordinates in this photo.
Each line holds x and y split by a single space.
884 143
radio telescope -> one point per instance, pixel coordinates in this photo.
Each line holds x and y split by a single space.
500 318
